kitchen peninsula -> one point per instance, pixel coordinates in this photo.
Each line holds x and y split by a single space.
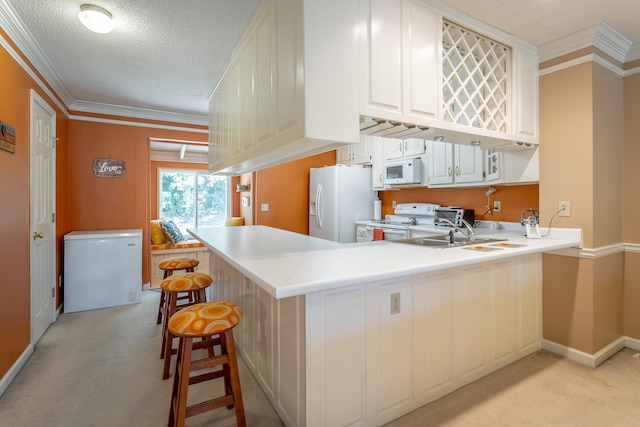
340 334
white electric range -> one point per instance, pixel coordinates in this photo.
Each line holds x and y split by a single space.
396 226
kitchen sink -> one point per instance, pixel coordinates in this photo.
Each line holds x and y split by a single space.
439 242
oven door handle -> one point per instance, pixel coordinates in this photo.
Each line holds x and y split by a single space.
387 230
394 231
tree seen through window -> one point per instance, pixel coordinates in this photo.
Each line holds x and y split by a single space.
193 199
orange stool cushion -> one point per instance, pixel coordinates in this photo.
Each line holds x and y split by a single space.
186 282
178 263
205 319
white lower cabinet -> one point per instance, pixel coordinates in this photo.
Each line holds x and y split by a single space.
369 353
270 338
367 366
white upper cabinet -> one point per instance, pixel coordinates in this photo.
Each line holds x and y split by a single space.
455 164
381 53
395 148
399 68
291 89
421 74
512 167
430 66
356 154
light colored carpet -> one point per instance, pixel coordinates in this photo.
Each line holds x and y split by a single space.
542 389
103 368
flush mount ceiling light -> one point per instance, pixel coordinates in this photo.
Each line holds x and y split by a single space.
95 18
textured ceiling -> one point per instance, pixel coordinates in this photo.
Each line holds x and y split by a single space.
167 55
163 54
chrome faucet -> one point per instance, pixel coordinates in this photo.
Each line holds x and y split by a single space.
470 232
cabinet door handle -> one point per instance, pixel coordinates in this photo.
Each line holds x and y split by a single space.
449 171
457 170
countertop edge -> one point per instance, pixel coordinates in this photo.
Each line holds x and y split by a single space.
284 269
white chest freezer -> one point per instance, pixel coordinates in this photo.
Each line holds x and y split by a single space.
102 268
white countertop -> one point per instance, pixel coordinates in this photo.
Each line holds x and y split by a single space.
288 264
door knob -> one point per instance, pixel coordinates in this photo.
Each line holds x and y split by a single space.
37 235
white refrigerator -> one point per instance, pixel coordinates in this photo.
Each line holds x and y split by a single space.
102 268
338 197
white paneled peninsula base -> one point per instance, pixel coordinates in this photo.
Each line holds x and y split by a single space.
360 334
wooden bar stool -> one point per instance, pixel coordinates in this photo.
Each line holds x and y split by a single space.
194 285
204 321
170 265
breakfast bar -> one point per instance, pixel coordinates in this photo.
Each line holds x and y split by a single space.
339 334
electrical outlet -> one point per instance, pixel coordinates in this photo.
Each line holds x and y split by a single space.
264 207
395 303
497 206
393 204
565 208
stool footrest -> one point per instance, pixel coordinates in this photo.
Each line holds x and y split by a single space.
206 343
206 377
209 362
209 405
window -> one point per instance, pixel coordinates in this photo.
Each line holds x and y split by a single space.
193 198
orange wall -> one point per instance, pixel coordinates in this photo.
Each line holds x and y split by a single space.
514 199
114 203
14 208
285 189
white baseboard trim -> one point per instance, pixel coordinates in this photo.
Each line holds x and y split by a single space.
632 343
13 371
146 286
591 360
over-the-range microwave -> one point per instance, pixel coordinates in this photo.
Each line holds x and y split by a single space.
406 171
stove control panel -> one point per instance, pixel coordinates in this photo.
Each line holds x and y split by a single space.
416 209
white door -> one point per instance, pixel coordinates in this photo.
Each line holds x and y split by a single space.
43 231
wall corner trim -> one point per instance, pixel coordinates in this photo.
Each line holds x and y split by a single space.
591 360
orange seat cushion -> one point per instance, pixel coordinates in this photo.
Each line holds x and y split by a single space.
178 263
186 282
234 221
205 319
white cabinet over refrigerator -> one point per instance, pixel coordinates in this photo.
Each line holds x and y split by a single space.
338 197
102 268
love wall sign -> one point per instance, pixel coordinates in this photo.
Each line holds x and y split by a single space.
108 168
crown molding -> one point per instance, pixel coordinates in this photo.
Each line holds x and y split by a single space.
125 122
38 63
600 36
138 113
20 35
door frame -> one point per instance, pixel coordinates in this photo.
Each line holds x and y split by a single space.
35 98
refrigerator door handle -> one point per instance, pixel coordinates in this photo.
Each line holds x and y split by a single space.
319 206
